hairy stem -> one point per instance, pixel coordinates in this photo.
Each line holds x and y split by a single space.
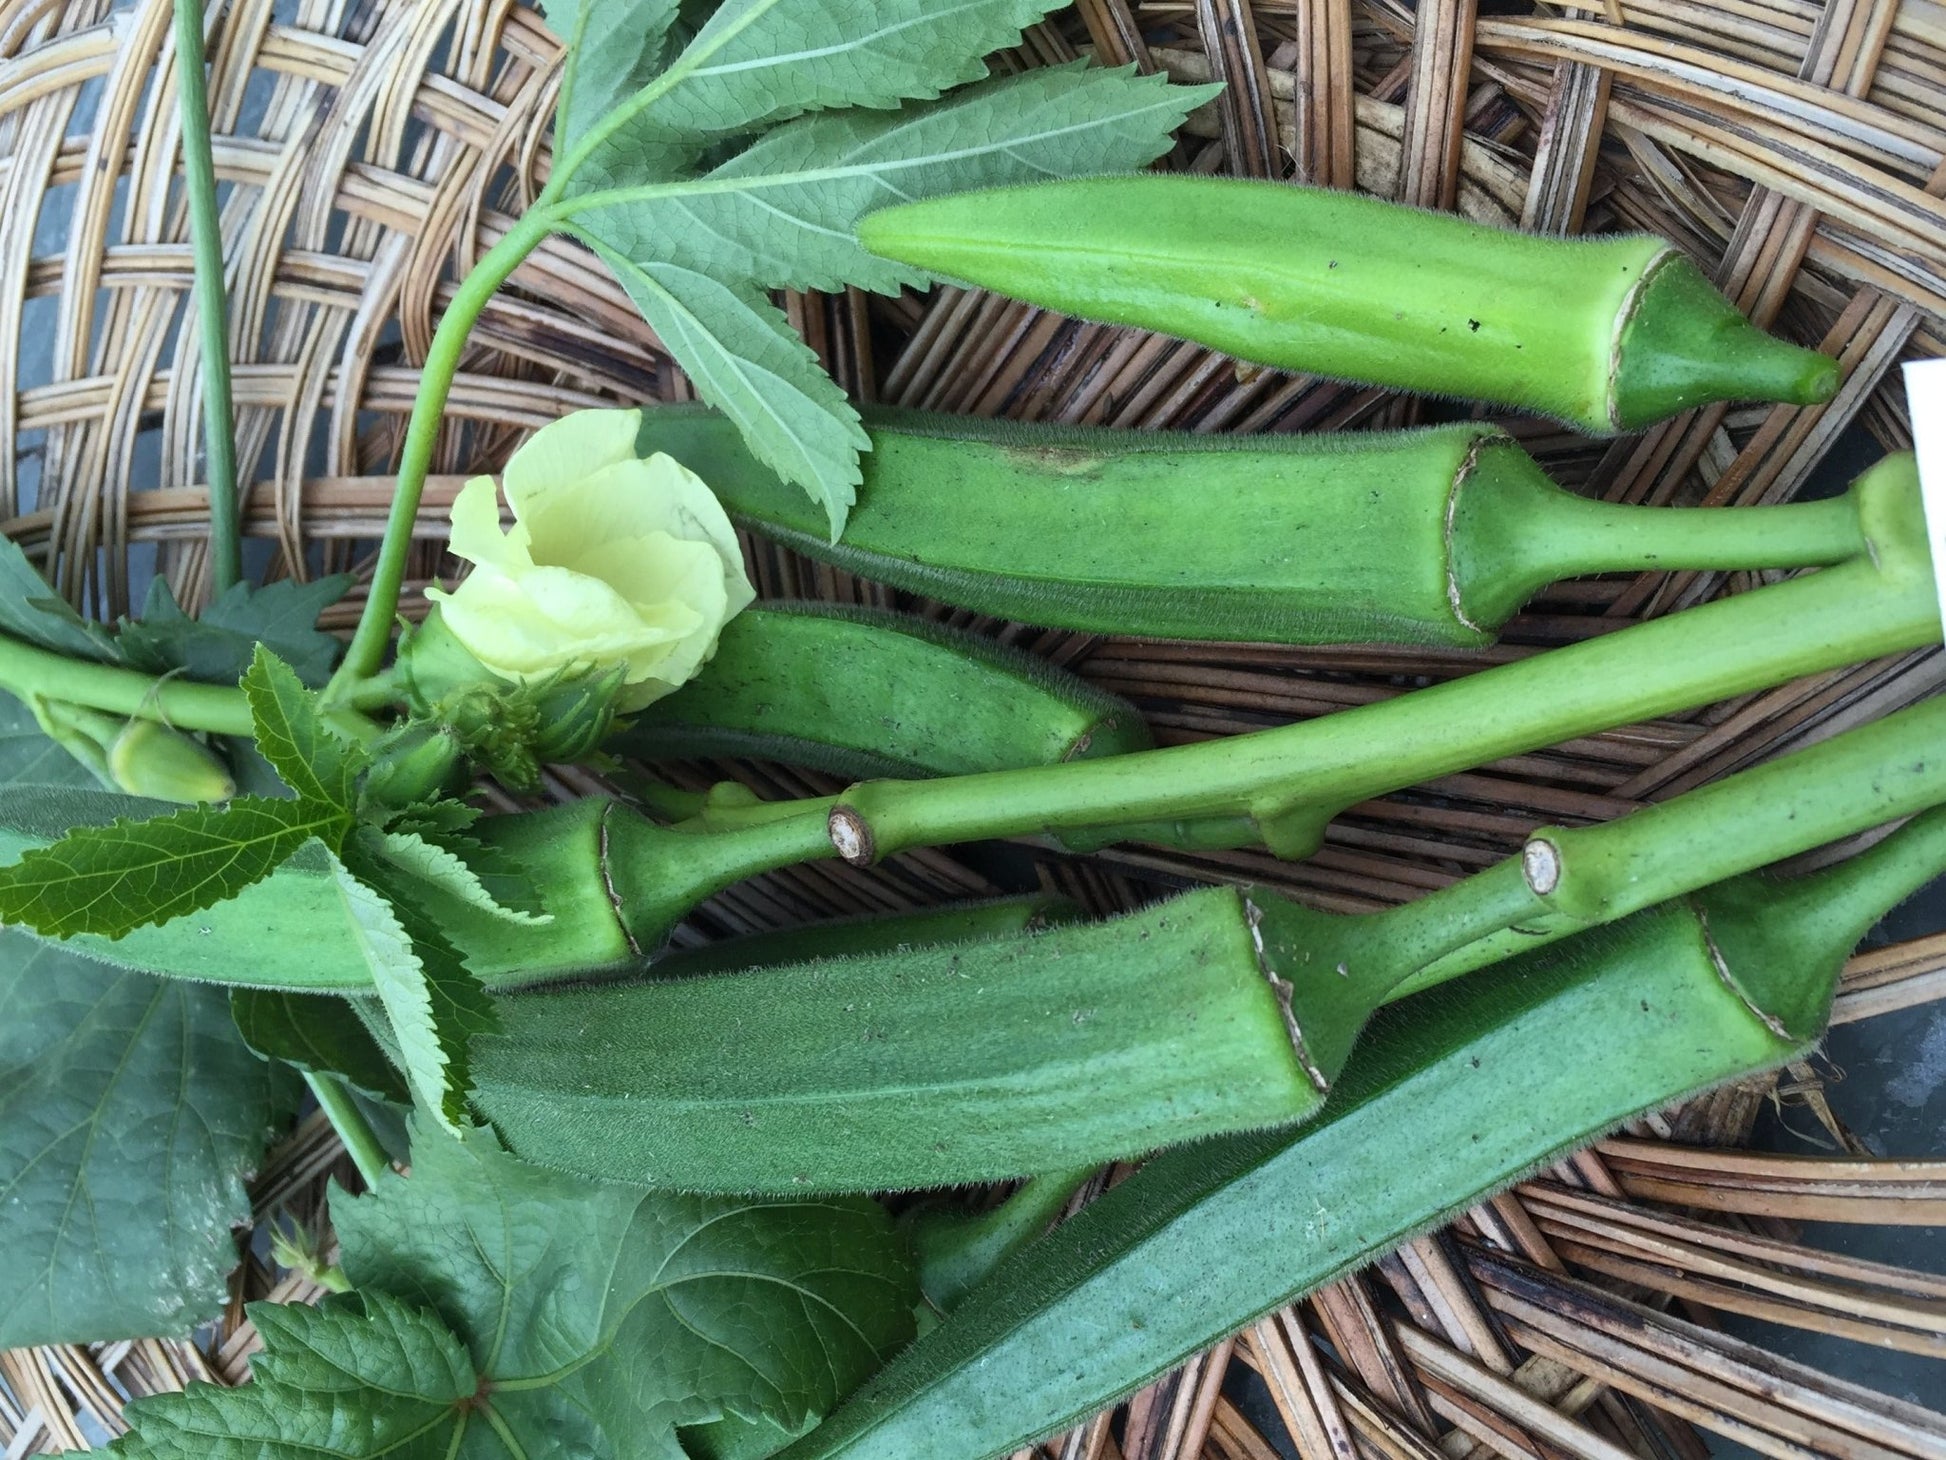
361 1141
212 310
27 671
374 631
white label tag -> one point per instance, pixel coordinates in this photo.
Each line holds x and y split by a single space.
1925 396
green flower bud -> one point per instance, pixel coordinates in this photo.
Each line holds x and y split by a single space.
575 714
147 759
417 761
435 668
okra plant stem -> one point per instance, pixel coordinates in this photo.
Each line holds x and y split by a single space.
496 266
29 672
206 242
361 1142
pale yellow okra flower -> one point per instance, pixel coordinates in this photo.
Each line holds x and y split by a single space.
612 559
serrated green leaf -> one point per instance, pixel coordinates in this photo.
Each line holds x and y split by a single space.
433 1002
360 1375
615 48
110 880
781 213
313 761
745 360
319 1034
216 647
414 856
591 1322
760 61
31 610
130 1113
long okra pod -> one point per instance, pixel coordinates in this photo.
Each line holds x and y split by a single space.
1418 537
1477 1083
1607 334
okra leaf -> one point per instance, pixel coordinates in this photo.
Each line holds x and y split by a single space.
760 61
615 48
433 1001
500 1308
413 856
745 360
216 647
130 1112
320 1034
313 761
781 213
110 880
31 610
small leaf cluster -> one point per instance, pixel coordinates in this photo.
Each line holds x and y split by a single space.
708 163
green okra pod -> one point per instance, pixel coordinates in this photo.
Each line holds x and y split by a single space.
1453 1095
1608 334
1435 536
924 1067
862 692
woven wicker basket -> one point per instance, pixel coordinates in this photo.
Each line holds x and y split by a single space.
373 149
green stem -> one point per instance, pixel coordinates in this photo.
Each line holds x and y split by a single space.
26 671
361 1141
957 1250
206 241
496 266
1292 781
1578 878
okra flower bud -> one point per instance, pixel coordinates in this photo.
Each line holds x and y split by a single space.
613 560
147 759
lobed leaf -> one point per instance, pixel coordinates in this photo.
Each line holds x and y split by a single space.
781 213
110 880
502 1309
413 856
216 647
761 61
31 610
630 46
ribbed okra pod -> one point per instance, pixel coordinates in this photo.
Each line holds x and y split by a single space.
924 1067
1608 334
862 692
1416 537
1453 1095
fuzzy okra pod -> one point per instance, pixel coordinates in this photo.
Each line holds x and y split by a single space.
862 692
1052 1051
1420 537
1608 334
1473 1084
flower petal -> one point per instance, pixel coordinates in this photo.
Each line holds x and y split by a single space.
566 453
476 529
549 619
